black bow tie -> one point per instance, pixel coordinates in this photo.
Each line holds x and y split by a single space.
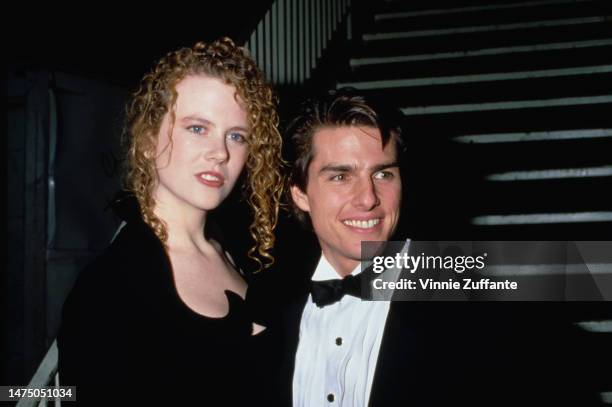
327 292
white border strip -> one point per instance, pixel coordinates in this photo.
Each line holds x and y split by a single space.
490 77
484 28
356 62
393 16
533 136
510 105
562 173
542 218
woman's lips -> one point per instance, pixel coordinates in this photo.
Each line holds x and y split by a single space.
211 179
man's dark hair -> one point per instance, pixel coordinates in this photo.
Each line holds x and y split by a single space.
338 108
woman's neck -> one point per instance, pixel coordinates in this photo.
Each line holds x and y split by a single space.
184 224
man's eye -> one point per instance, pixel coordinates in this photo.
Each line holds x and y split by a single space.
197 129
238 137
338 177
383 175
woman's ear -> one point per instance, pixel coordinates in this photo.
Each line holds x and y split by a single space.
150 147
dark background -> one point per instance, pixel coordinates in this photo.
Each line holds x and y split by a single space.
118 44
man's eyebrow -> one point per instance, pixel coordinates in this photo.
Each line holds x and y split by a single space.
336 168
349 168
380 167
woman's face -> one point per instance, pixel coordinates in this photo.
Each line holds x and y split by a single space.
200 164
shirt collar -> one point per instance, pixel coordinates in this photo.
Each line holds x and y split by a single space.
325 271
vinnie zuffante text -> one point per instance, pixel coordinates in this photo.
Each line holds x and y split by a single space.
457 264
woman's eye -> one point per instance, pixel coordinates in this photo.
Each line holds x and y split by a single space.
238 137
197 129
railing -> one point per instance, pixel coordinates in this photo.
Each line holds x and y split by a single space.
46 375
294 34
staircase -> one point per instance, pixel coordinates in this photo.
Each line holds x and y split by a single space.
508 110
508 117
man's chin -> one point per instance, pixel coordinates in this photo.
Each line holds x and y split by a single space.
358 255
355 250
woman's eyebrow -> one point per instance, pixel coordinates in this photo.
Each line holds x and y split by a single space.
239 128
200 119
195 118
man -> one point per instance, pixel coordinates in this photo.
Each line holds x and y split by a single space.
346 186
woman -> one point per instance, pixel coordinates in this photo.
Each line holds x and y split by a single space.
160 313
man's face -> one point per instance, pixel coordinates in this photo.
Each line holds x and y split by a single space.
353 194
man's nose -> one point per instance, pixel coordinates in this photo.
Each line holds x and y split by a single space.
365 196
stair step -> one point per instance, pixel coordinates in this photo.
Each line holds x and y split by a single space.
500 95
478 78
486 28
519 49
543 158
494 15
593 119
549 269
543 218
598 326
601 29
455 215
599 54
392 10
557 173
507 105
530 202
546 231
520 137
566 196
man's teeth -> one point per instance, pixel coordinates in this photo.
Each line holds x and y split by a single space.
362 224
209 177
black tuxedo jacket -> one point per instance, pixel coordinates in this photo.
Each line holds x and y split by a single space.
441 352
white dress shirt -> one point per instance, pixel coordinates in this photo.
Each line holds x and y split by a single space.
338 348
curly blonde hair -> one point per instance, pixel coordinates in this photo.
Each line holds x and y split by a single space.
155 97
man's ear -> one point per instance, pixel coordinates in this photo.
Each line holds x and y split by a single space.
300 198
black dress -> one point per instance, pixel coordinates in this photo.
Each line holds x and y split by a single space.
127 338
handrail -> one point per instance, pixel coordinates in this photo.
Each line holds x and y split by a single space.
45 375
